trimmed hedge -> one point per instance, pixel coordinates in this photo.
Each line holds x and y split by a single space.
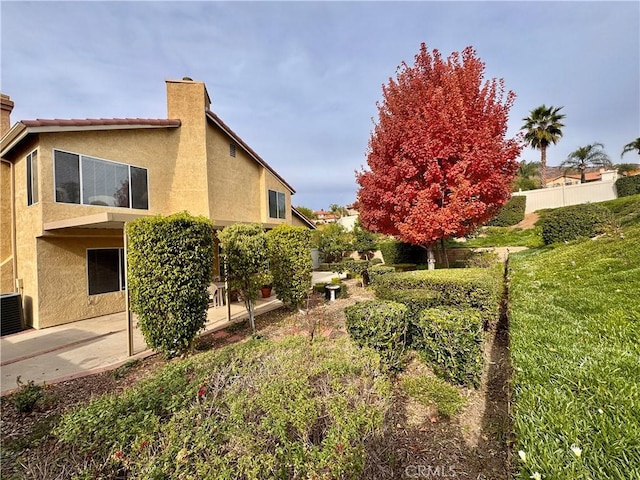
382 326
451 341
478 288
394 252
377 271
511 213
626 186
169 272
577 221
319 288
290 263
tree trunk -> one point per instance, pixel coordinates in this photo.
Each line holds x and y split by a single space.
543 165
431 259
249 305
444 253
583 177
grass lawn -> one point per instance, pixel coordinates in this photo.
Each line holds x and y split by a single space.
575 345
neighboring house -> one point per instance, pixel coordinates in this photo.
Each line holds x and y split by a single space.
574 178
325 217
69 186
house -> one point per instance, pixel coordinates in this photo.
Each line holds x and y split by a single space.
324 217
69 186
574 178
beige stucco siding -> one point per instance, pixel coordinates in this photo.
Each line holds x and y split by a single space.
233 182
62 277
6 230
152 149
271 182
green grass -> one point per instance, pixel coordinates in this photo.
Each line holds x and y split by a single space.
575 343
502 237
625 209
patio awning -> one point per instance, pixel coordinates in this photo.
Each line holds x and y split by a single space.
103 220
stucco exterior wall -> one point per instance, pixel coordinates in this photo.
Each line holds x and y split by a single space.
186 100
153 149
62 277
6 230
233 182
28 218
270 182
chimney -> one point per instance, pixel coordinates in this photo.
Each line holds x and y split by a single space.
7 107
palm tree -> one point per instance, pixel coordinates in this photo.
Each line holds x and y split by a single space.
631 146
589 155
542 127
528 176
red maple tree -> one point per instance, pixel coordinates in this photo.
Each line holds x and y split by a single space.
439 162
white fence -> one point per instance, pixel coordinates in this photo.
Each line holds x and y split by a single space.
570 194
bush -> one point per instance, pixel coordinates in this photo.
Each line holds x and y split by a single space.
319 288
478 288
27 396
377 270
382 326
404 267
511 213
626 186
332 241
394 252
451 341
244 247
433 392
169 271
577 221
290 263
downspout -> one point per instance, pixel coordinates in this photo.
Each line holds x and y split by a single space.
14 260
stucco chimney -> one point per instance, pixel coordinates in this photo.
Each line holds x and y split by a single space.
7 107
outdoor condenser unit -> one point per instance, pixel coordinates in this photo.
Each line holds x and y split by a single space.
10 313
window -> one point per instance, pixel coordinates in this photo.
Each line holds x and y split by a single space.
32 178
277 204
232 150
105 270
92 181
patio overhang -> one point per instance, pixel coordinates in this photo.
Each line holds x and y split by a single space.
102 221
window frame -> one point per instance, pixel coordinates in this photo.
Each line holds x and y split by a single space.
277 205
122 277
32 180
81 156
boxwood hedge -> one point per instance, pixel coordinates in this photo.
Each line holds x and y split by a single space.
451 341
511 213
577 221
380 325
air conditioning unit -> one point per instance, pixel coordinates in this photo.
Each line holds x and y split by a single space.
10 313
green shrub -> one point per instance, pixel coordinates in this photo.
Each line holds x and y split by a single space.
290 263
27 395
451 341
394 252
404 267
332 241
626 186
378 270
478 288
343 293
626 210
382 326
511 213
169 272
245 251
260 409
481 260
433 392
577 221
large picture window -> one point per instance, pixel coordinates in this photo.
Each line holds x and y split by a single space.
277 204
92 181
105 270
32 178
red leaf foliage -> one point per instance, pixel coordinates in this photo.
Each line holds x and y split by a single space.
439 162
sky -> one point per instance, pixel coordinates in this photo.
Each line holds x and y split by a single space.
299 81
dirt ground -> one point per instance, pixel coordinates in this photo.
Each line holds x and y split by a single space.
529 221
419 444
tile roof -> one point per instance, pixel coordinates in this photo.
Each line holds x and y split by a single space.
95 122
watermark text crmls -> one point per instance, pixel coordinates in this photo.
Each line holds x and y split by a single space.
430 471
